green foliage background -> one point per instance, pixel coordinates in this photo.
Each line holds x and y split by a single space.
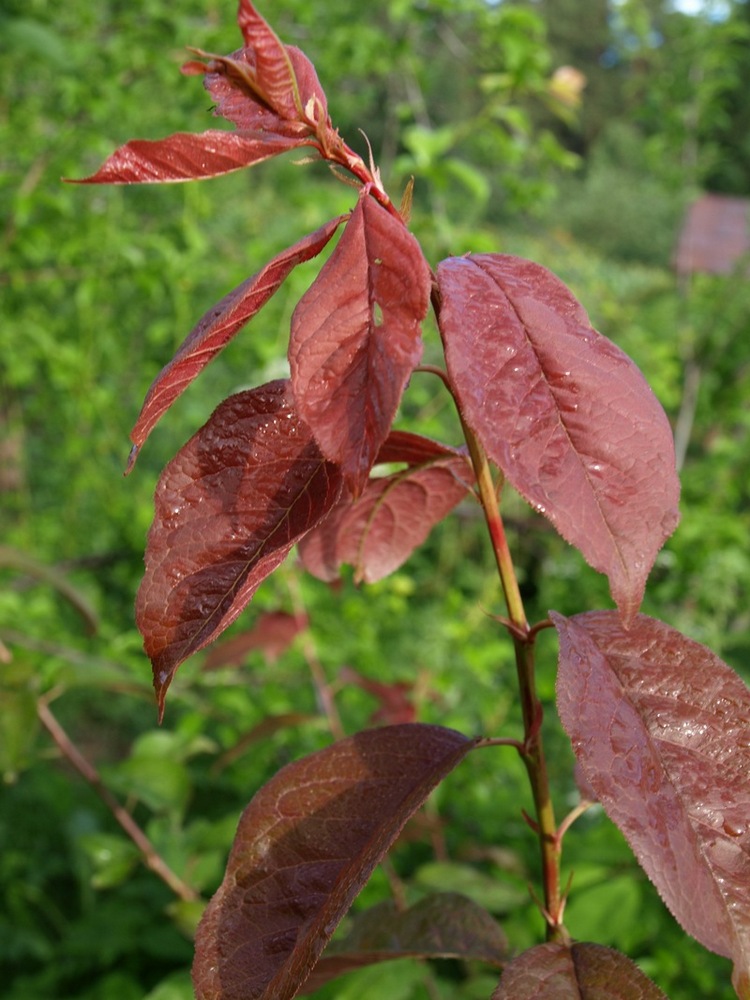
99 287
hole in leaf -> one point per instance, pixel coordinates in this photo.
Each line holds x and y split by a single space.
377 314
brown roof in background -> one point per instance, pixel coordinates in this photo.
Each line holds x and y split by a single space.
714 236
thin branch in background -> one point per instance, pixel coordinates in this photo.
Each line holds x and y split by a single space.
118 677
323 690
151 857
267 727
23 563
685 418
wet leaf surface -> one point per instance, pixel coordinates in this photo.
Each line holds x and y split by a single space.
565 414
187 156
305 846
228 509
661 728
355 338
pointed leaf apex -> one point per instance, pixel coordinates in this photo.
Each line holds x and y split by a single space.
131 460
162 680
305 846
225 518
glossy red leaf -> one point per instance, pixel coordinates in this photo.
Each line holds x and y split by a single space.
272 634
229 507
231 82
413 449
661 727
274 71
355 338
378 532
187 156
312 95
565 414
305 846
445 925
217 327
579 972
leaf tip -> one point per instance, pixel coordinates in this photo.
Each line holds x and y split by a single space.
131 460
162 680
193 67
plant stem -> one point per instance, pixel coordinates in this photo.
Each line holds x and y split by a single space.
536 768
488 499
532 749
151 857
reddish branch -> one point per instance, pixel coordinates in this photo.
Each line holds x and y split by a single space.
151 857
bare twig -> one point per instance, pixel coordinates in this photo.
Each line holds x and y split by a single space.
152 859
686 416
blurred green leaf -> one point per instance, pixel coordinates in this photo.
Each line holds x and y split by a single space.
161 785
186 915
19 725
175 987
112 858
492 891
606 911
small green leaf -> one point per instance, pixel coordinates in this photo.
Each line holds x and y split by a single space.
112 858
18 728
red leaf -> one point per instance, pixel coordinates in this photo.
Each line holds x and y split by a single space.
217 327
305 846
378 532
578 972
396 705
565 414
229 507
232 83
274 72
445 925
585 789
355 338
270 90
311 93
187 156
273 633
403 446
661 728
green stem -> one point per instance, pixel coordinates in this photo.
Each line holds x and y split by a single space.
532 748
488 499
536 768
